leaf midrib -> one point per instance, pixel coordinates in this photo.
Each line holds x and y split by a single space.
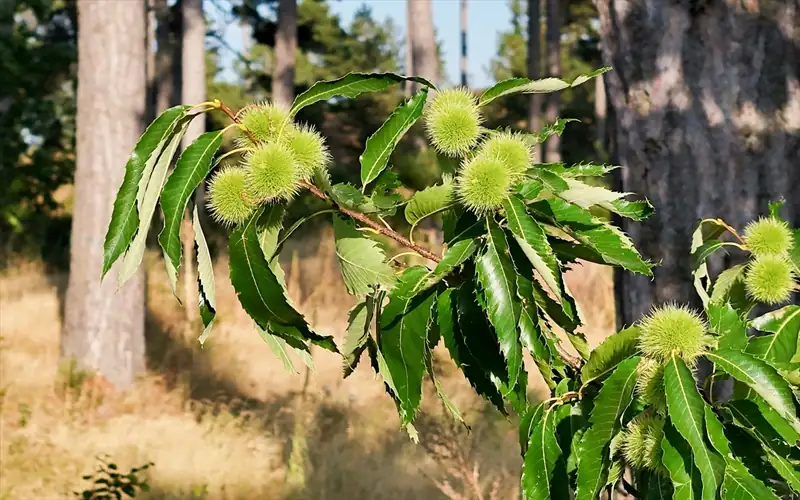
252 274
397 132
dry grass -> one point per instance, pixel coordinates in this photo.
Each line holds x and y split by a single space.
220 423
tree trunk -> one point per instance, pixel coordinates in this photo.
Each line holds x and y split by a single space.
423 38
464 60
285 53
409 58
706 101
600 116
103 326
534 65
193 91
168 56
553 43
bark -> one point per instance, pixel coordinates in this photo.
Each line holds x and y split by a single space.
706 102
600 115
285 53
168 56
464 60
103 326
193 90
553 48
534 71
423 46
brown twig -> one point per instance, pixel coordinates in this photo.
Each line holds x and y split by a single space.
355 215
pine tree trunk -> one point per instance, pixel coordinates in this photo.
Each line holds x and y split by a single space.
193 84
553 46
600 116
285 53
534 72
706 101
464 60
103 326
168 56
423 47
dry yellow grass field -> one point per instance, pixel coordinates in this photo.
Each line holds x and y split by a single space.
228 421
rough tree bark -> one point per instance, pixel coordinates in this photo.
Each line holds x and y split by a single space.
423 38
168 56
193 91
464 26
706 103
285 53
534 64
553 49
600 115
103 326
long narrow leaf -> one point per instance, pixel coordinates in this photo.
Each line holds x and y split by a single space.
205 279
526 86
192 167
125 218
381 144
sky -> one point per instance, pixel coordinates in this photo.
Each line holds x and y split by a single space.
487 18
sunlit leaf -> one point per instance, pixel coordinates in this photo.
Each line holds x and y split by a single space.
361 260
205 279
526 86
610 353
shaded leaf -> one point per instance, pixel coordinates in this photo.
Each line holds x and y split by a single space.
279 348
541 459
351 85
527 423
555 128
358 326
348 196
496 274
147 198
610 353
205 279
361 260
725 282
429 201
685 407
677 459
455 256
761 378
381 144
704 242
780 347
192 167
526 86
789 472
403 332
724 321
125 218
606 420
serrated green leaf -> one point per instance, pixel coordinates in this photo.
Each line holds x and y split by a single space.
351 85
611 352
358 326
403 328
677 459
205 279
780 347
279 348
348 196
125 218
761 378
429 201
586 196
540 346
541 460
192 167
685 407
739 483
533 241
606 420
707 230
260 293
725 281
763 422
361 260
724 321
477 354
531 189
551 181
147 198
495 273
526 86
268 227
790 473
555 128
528 421
455 256
381 144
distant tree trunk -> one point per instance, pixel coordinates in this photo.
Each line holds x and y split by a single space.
464 60
193 91
600 116
409 56
423 46
534 64
168 56
152 92
705 98
103 326
285 53
553 45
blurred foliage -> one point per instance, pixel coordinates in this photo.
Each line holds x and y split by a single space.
37 119
37 98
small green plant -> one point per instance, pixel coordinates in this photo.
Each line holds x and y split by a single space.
511 229
108 483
